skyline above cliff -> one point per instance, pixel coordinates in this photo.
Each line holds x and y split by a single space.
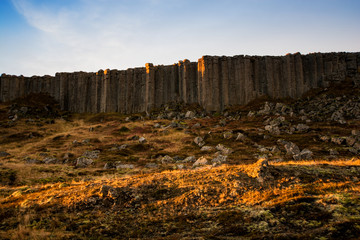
43 37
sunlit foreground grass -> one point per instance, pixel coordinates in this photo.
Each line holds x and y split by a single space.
156 201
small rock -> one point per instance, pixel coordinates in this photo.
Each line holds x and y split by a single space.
33 161
219 159
190 159
91 154
180 166
223 149
325 138
338 140
200 162
272 129
190 114
167 159
51 160
91 129
142 140
228 135
157 125
222 122
206 149
151 165
199 141
305 154
109 165
125 166
241 137
196 126
302 127
291 148
350 141
355 132
83 162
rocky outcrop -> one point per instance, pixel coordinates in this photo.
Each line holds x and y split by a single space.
212 82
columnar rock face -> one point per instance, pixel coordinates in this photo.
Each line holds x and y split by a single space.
213 82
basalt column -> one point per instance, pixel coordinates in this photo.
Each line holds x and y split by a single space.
150 87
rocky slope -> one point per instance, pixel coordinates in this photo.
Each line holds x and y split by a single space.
274 169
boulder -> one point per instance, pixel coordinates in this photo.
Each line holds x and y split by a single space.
241 137
272 129
355 132
51 160
125 166
91 154
142 140
167 159
291 148
83 162
302 127
219 159
200 162
199 141
305 154
190 114
224 150
206 149
228 135
190 159
338 140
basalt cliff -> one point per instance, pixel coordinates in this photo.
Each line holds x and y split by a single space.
213 82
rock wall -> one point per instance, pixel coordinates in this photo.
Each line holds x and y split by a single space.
213 82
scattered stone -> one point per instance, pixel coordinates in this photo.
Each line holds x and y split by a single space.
83 162
222 122
4 154
338 140
180 166
350 141
302 127
167 160
251 114
272 129
91 154
291 148
190 159
109 192
325 138
219 159
241 137
199 141
86 141
33 161
190 114
305 154
200 162
157 125
109 165
51 160
223 149
228 135
125 166
355 132
151 165
142 140
206 149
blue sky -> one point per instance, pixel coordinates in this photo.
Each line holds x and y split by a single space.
41 37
